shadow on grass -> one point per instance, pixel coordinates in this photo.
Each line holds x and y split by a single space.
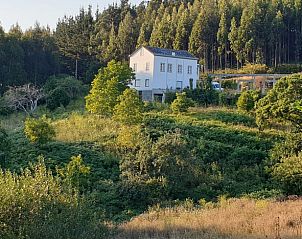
58 154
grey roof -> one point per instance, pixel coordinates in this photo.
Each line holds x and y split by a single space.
170 53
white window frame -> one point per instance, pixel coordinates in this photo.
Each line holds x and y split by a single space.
162 67
147 82
142 52
147 66
137 83
190 70
179 69
169 69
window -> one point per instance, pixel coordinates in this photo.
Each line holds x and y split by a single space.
178 85
147 83
162 67
147 66
197 71
190 70
142 51
179 69
134 67
137 83
170 68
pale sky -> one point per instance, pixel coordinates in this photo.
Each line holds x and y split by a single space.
46 12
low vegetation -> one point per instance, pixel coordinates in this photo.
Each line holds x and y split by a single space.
232 219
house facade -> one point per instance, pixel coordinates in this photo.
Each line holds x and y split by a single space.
160 70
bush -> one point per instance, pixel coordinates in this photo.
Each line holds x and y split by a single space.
228 99
170 96
247 100
289 173
181 103
35 204
4 109
286 69
39 130
129 109
4 145
56 98
61 90
253 69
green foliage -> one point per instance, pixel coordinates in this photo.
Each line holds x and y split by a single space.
4 146
4 109
56 98
286 69
129 109
209 95
247 100
228 99
289 173
253 69
61 90
75 172
170 96
36 204
284 163
39 130
181 103
281 103
108 85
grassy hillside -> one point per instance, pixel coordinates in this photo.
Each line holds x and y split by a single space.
232 219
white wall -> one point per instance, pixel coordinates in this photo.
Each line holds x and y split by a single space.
141 73
167 80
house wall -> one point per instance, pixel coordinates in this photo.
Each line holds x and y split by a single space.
166 80
141 73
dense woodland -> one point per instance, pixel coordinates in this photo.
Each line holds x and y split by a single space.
223 34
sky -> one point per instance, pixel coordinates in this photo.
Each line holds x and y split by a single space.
46 12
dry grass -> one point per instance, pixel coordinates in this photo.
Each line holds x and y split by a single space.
236 219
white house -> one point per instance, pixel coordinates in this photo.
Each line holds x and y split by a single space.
160 70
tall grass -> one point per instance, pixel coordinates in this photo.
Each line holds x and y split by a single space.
233 219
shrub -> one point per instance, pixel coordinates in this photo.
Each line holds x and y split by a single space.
228 99
61 90
4 109
35 204
247 100
253 69
56 98
39 130
4 145
129 109
181 103
170 96
289 173
282 103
